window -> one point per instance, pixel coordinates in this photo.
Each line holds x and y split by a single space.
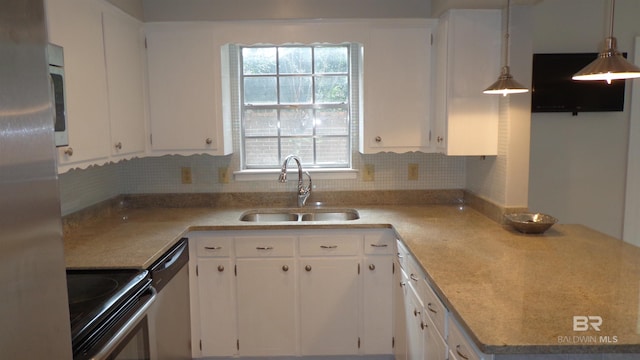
295 100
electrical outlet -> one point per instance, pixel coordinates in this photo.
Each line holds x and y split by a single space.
413 172
186 175
369 172
223 175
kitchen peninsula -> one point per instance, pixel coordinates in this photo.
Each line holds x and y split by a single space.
513 294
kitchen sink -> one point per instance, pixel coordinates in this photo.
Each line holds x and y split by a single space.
300 215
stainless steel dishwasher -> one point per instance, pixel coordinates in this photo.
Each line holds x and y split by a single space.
169 317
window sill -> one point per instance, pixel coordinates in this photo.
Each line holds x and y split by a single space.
316 174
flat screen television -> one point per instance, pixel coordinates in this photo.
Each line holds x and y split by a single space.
553 90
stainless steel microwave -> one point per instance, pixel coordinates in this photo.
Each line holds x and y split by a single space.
56 71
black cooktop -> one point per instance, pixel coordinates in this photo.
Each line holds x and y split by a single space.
95 295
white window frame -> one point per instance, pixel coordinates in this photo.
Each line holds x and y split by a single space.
320 171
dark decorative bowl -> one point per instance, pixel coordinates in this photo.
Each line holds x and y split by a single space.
530 223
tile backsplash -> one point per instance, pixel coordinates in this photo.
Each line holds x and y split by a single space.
83 188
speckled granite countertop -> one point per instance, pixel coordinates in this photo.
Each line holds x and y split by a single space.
514 293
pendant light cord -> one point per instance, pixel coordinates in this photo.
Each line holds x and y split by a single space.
611 16
506 36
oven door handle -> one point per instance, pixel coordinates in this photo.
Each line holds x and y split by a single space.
108 348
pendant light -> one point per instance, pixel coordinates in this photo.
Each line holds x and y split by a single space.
505 84
610 64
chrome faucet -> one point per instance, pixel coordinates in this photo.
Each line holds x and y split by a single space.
303 191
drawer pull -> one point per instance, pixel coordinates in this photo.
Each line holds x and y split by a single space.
422 325
413 277
214 248
416 312
430 307
462 355
285 268
264 247
372 267
379 245
328 246
308 267
402 283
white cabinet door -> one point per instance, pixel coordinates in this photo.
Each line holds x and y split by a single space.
124 54
397 88
415 326
76 25
468 44
435 348
217 307
400 293
329 306
184 68
266 307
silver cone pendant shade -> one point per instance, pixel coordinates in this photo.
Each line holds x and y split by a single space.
610 65
505 85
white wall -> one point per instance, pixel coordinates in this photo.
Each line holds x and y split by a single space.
578 163
503 179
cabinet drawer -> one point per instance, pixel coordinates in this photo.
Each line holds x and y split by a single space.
330 245
214 247
460 348
403 253
435 309
265 246
379 242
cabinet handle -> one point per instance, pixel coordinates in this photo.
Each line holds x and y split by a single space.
379 246
264 247
439 139
462 355
118 145
209 141
378 139
220 268
413 277
285 268
416 312
213 248
430 307
372 267
68 151
328 246
402 283
308 267
422 325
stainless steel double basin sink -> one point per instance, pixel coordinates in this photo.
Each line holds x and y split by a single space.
293 215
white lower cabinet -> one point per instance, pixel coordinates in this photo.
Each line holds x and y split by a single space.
266 287
217 311
292 293
329 306
460 347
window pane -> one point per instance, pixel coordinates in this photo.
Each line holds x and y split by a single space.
260 122
332 90
261 152
294 60
296 122
303 147
258 61
332 151
295 90
332 122
331 60
260 90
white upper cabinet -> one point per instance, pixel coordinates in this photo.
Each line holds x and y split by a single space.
104 83
124 56
468 44
397 87
76 25
185 105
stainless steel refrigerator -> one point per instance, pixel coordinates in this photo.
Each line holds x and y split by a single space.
34 315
